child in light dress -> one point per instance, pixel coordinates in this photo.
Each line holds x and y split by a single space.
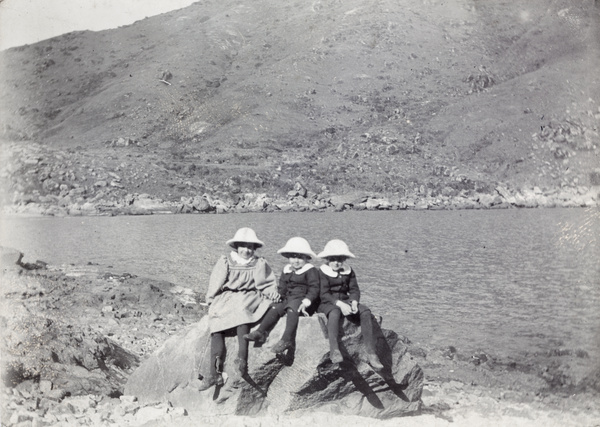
241 289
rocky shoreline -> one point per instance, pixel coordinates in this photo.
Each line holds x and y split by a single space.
38 180
68 203
73 336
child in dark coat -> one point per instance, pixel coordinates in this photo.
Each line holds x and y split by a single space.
298 288
340 296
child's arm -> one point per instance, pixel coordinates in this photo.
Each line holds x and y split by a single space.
282 288
218 277
325 291
354 292
314 287
265 280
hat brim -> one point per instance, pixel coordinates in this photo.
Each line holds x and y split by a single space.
232 242
284 251
325 254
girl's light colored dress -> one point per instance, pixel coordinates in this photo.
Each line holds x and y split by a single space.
237 291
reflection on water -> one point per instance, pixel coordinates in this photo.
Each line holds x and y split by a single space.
501 281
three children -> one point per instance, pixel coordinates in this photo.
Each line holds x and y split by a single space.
243 289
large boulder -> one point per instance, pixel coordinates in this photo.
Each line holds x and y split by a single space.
305 380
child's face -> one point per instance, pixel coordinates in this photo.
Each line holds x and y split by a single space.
336 262
297 261
246 250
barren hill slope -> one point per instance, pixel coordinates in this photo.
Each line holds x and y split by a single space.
371 95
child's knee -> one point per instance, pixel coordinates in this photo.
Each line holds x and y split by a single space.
334 314
291 313
364 311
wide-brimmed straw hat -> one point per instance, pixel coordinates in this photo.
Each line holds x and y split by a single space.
245 235
336 247
297 245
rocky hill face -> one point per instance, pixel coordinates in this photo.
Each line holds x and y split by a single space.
221 98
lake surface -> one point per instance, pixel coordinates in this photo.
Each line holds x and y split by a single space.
500 281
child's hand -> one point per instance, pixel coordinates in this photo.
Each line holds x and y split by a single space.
273 296
346 309
302 308
354 307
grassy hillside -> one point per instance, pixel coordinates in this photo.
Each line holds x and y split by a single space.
383 96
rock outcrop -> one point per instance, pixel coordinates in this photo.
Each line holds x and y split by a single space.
302 381
65 359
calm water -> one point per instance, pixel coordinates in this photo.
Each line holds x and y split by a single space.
503 281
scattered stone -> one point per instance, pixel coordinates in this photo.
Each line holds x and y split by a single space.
127 399
179 411
150 413
56 395
19 417
45 386
200 204
166 76
10 258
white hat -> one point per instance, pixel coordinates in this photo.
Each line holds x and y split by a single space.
245 235
297 245
336 247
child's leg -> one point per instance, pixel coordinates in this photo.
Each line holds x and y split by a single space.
333 331
333 328
289 334
368 332
291 325
242 359
217 352
366 326
269 320
217 355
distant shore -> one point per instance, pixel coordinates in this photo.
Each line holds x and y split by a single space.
300 200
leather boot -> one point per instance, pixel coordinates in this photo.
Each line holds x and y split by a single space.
282 346
257 336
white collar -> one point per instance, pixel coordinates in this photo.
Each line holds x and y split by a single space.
288 268
329 271
239 260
